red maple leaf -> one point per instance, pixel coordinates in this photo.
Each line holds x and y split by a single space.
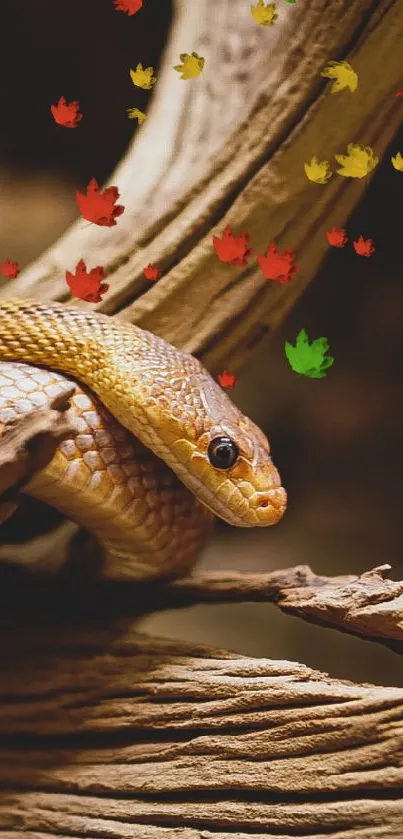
66 113
128 6
278 266
364 247
99 207
337 237
399 94
10 269
152 272
87 285
226 379
232 249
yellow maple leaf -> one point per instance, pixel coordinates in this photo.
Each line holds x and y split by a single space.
191 65
143 77
316 171
343 74
397 162
265 15
358 162
134 113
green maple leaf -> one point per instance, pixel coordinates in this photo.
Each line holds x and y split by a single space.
309 359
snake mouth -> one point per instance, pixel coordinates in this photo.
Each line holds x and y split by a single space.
262 510
271 504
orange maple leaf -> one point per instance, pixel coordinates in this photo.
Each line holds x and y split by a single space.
99 207
87 285
226 379
66 113
10 269
278 266
128 6
152 272
232 249
337 237
364 247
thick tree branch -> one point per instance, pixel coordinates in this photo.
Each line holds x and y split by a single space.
229 148
107 734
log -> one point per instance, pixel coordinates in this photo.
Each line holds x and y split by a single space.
110 733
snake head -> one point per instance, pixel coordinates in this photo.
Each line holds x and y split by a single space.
219 453
235 475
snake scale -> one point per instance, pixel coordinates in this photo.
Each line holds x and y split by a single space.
159 445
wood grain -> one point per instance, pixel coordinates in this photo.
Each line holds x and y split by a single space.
115 734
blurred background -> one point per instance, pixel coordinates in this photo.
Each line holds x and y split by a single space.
338 442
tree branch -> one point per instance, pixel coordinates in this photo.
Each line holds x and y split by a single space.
229 148
369 606
27 444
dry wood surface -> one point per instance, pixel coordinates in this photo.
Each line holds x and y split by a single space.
108 734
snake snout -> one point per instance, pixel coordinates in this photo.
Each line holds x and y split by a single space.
270 506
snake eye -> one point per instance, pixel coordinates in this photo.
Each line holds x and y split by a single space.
222 453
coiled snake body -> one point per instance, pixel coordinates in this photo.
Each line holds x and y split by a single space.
158 446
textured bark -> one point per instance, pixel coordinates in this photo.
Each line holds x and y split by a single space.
229 148
122 735
369 606
28 444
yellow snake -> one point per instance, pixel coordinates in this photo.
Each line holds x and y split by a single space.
159 444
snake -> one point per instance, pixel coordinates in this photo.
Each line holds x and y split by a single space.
159 447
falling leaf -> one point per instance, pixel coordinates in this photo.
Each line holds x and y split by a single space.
397 162
364 247
232 249
263 14
226 379
309 359
99 207
134 113
10 269
128 6
343 74
191 66
278 266
87 285
337 237
358 162
318 172
143 77
152 272
66 113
